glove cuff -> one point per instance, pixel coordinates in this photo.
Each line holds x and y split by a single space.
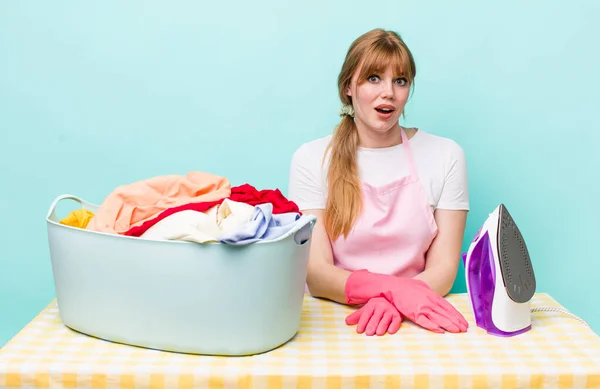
362 285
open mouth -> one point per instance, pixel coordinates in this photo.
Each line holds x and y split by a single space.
385 109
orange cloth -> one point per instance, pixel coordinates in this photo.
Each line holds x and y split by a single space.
133 204
78 218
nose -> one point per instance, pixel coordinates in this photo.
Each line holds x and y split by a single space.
387 90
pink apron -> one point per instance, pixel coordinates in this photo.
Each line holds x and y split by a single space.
394 230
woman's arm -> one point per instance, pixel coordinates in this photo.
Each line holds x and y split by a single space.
324 280
443 255
306 188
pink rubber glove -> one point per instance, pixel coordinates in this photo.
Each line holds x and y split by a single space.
414 299
377 316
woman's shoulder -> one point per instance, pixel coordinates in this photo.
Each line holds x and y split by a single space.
306 186
311 151
435 139
439 145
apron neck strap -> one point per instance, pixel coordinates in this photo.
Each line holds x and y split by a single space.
409 154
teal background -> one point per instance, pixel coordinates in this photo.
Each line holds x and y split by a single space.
94 95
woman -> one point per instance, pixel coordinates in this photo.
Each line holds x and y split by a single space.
391 202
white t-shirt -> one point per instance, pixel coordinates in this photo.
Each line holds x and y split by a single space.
440 163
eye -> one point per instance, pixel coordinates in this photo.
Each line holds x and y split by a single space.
373 78
401 81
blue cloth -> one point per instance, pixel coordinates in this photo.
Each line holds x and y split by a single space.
264 225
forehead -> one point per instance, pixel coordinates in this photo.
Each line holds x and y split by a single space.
384 60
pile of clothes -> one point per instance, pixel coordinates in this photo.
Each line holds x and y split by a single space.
198 207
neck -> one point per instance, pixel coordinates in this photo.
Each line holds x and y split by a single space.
368 138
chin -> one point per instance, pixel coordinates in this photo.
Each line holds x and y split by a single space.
381 127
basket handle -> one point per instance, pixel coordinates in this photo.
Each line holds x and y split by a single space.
59 199
303 229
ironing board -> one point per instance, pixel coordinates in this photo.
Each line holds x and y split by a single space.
559 352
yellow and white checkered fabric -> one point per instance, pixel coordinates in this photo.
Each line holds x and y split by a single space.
559 352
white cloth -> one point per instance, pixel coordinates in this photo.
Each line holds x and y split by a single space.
232 214
440 164
201 227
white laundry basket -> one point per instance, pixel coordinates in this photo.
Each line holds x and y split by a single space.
210 298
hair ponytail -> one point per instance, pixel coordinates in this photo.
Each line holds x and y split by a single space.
344 200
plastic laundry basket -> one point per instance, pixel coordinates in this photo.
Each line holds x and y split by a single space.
209 298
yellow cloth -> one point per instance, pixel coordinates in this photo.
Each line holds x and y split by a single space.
559 352
78 218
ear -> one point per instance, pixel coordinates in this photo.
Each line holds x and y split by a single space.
348 91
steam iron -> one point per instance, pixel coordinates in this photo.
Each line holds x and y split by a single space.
499 276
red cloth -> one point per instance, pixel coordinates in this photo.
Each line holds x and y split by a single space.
245 193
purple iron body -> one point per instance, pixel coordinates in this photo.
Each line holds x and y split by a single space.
499 276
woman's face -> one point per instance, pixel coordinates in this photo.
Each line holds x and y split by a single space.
378 101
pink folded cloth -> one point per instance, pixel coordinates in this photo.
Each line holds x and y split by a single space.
131 205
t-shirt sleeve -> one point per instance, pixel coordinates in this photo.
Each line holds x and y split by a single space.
305 186
455 192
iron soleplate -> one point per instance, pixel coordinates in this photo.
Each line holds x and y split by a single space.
515 263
